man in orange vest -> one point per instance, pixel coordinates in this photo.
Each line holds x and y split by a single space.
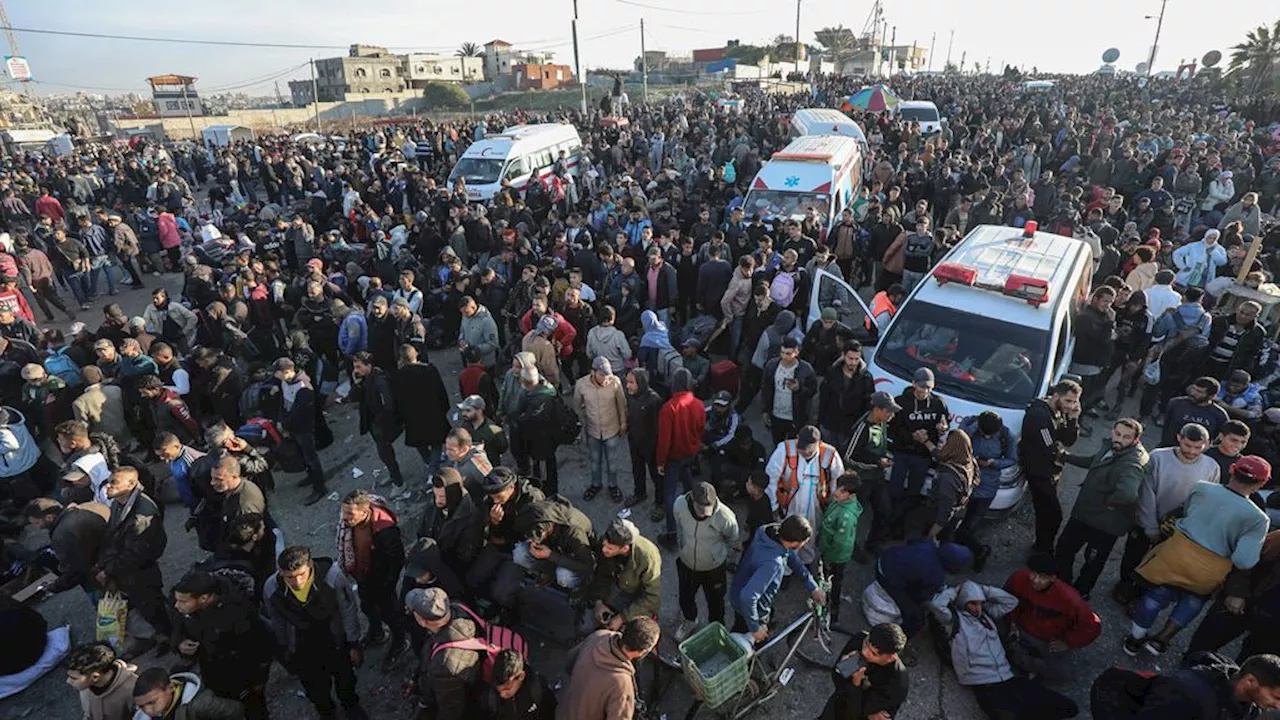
884 305
802 473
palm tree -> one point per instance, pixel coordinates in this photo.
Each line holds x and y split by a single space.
469 49
1253 60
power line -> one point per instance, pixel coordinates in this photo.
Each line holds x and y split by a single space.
682 11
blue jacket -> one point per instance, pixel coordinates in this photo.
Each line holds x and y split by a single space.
1250 400
353 334
759 575
634 229
914 568
1001 448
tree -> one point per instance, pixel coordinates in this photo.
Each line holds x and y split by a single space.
747 54
469 49
1254 60
445 95
838 40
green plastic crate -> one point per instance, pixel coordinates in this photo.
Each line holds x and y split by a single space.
712 646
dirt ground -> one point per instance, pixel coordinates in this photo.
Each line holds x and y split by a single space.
934 692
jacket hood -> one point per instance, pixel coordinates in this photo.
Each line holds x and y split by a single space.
783 324
527 359
642 381
605 654
190 685
969 591
649 321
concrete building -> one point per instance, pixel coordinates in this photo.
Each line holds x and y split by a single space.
501 59
365 69
419 69
538 76
175 96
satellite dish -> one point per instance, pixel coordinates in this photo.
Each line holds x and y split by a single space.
1110 55
1211 58
1142 68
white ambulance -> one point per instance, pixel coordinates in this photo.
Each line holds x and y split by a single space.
825 121
816 172
992 320
517 155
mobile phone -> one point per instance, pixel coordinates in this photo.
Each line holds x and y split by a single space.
850 665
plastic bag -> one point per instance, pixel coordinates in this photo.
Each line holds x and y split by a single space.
878 607
113 610
1151 373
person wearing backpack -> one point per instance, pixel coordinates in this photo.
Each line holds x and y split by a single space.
917 254
789 283
967 617
450 671
1208 686
220 629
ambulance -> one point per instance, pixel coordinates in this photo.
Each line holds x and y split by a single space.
816 172
992 320
825 121
518 155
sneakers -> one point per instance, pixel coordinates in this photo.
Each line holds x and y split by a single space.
682 632
657 514
1155 646
1132 645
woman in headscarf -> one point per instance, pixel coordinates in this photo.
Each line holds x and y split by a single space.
956 476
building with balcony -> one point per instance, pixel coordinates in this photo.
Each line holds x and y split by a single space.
418 69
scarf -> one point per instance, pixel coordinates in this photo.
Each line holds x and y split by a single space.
355 544
290 390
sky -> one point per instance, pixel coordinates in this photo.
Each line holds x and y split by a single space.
1026 34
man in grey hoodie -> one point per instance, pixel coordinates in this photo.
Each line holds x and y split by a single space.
605 340
478 330
968 615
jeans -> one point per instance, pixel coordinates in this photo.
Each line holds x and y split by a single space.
1187 607
974 516
47 295
1048 510
131 266
603 459
910 278
103 263
78 283
735 334
565 578
711 582
678 480
1097 545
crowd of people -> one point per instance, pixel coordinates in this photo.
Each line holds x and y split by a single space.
633 311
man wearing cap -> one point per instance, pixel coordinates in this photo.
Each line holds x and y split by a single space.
447 675
372 393
1220 529
493 574
312 610
125 242
101 407
601 403
487 436
802 475
1240 397
915 432
821 346
722 424
706 531
15 327
539 342
868 454
627 582
1050 621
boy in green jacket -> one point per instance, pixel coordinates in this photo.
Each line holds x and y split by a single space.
839 531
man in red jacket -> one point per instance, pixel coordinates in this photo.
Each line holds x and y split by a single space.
1050 621
11 298
680 424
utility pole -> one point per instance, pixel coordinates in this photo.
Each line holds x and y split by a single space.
884 51
644 63
315 96
931 42
950 42
963 55
1155 44
893 51
577 63
798 35
187 106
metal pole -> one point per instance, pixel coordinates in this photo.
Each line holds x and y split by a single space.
644 63
798 36
963 55
187 106
1155 44
577 62
893 51
315 96
884 53
931 41
950 42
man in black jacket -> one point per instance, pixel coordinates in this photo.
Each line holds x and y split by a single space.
643 404
1094 330
77 535
233 496
1049 427
1235 341
377 412
220 629
130 561
372 553
299 422
879 684
507 496
448 676
452 521
1207 687
846 393
517 691
556 538
915 431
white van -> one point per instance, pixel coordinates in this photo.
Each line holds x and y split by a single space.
923 112
993 320
818 172
825 121
517 155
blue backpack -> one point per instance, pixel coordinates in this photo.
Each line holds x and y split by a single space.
64 367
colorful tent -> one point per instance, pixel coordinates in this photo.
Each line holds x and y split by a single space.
874 98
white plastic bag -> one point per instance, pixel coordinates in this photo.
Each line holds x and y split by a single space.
878 607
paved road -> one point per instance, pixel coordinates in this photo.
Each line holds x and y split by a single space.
934 692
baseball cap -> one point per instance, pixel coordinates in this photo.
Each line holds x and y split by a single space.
472 402
1253 468
601 365
884 401
829 313
428 603
703 496
923 378
103 344
77 328
722 398
807 436
547 324
499 479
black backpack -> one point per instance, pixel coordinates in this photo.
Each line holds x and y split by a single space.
567 425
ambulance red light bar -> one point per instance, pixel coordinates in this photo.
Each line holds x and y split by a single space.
955 272
1034 290
1029 230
